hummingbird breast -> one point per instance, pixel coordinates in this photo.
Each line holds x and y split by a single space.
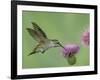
48 45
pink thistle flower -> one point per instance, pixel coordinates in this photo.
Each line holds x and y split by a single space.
70 49
86 38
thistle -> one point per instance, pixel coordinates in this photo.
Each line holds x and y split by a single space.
86 38
69 52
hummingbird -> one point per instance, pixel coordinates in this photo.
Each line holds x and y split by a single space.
44 43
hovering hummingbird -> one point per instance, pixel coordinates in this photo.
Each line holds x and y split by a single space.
43 42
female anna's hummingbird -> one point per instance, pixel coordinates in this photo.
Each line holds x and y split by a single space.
43 42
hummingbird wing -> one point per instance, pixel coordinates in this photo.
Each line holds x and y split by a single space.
37 33
34 34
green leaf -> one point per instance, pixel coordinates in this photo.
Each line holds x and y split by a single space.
71 60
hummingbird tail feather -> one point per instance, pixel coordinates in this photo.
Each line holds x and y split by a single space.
31 53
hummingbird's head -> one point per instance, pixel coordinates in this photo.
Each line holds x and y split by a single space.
55 41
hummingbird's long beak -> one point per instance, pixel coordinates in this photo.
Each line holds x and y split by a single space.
62 46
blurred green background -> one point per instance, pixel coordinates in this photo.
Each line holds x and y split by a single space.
66 27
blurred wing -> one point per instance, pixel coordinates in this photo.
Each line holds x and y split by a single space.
34 34
39 31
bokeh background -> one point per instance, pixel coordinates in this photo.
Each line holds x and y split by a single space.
66 27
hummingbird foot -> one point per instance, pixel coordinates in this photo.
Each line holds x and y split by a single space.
43 51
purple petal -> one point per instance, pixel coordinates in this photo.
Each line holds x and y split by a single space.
86 38
70 49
